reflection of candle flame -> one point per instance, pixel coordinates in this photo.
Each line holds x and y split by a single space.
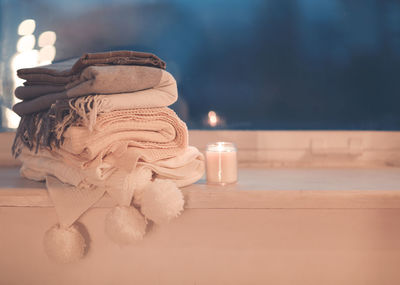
220 146
212 118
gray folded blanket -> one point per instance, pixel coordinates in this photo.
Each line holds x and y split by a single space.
93 80
68 71
115 72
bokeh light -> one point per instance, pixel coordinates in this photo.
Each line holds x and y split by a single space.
212 118
47 38
26 43
27 56
27 27
47 55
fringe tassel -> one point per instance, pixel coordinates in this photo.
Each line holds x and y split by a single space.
87 109
46 129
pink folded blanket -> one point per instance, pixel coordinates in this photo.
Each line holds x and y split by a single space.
149 134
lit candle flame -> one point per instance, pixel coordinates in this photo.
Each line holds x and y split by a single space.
212 118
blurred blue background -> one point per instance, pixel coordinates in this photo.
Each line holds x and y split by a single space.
258 64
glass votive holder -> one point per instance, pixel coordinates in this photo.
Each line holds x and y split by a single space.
221 163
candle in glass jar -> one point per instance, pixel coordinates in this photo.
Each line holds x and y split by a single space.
221 163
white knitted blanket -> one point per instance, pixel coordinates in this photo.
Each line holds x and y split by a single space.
74 190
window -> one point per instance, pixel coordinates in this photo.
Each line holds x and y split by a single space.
259 64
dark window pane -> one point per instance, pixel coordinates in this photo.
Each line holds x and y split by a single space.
278 64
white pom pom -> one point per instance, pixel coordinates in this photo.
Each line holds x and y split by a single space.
143 177
64 245
125 225
162 201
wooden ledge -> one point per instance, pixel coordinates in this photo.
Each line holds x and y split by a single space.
258 188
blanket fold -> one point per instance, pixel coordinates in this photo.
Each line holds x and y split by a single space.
155 133
71 202
73 190
183 169
67 71
46 129
98 80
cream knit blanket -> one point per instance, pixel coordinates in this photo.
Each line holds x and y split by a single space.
183 169
74 190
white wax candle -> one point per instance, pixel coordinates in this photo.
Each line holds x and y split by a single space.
221 163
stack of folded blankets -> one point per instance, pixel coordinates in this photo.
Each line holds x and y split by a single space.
100 124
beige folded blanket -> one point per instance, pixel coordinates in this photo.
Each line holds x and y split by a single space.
97 80
67 71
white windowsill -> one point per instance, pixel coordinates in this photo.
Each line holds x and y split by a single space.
338 188
279 170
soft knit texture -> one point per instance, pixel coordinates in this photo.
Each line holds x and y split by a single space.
46 129
183 169
67 71
162 201
64 245
97 80
125 225
150 134
76 189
